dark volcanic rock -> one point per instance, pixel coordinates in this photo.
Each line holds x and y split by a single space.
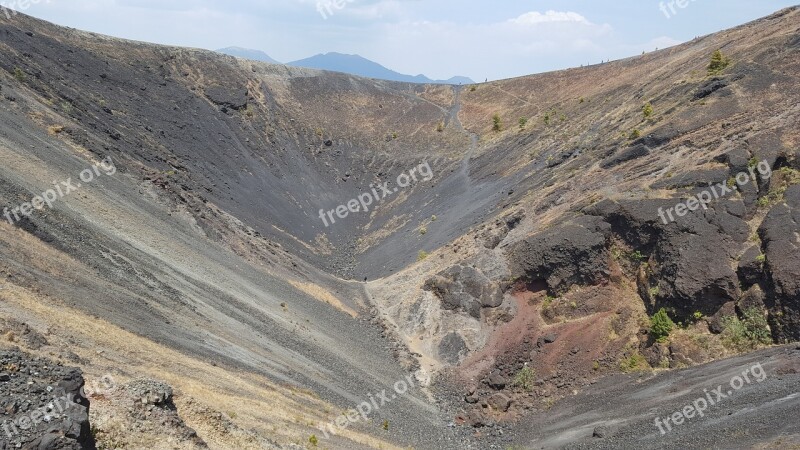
779 233
695 178
628 154
499 402
234 98
497 380
465 288
750 266
452 348
44 405
709 87
690 258
572 253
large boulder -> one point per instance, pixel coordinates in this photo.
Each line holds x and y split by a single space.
465 288
575 252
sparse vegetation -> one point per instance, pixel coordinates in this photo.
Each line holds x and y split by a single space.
386 425
748 333
497 123
522 122
634 363
647 110
55 129
440 126
433 218
719 62
661 325
782 179
635 134
654 291
313 440
524 378
423 231
546 118
581 100
422 255
472 88
19 74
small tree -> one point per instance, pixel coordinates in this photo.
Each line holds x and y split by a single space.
661 325
497 123
718 63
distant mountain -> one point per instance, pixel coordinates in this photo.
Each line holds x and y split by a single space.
357 65
255 55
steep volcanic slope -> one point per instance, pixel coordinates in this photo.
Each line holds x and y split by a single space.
200 258
163 243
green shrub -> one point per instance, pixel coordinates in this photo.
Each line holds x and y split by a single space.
524 378
634 363
19 74
440 127
635 134
719 62
647 110
313 440
661 325
748 333
497 123
422 255
522 122
546 118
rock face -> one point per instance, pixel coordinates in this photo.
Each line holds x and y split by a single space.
688 259
43 405
466 289
572 253
227 97
779 234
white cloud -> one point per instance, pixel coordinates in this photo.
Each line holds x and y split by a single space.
536 18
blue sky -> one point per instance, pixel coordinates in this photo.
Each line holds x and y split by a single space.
481 39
